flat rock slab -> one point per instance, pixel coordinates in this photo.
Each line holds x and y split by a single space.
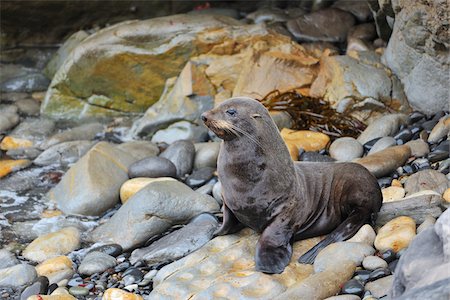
225 268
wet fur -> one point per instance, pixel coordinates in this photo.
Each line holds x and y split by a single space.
284 200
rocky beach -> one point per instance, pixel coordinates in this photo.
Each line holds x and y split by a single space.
108 178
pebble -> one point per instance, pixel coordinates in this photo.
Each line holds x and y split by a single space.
365 234
382 143
386 161
12 143
374 262
379 273
110 249
353 287
419 148
389 255
64 153
96 262
427 223
24 153
380 288
362 275
134 185
217 192
131 276
58 296
8 117
35 130
139 149
387 125
28 107
17 275
206 154
359 9
182 130
427 179
200 176
420 164
334 254
392 193
55 268
86 132
53 244
181 154
152 167
403 136
396 234
40 286
78 291
346 149
118 294
305 139
315 156
393 265
343 297
8 166
439 131
365 32
7 259
446 195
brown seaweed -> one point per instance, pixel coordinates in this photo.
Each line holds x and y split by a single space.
313 114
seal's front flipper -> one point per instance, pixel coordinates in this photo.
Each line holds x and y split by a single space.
230 223
274 250
346 230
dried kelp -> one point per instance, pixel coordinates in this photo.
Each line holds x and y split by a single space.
313 114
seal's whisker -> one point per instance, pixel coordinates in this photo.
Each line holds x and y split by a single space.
248 135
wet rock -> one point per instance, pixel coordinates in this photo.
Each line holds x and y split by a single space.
386 161
8 166
359 9
365 235
181 131
419 148
230 258
314 156
8 117
7 259
181 154
200 177
82 132
217 192
56 269
333 255
417 206
132 186
152 167
53 244
131 276
79 291
358 84
305 139
427 180
374 262
28 107
13 97
387 125
439 131
10 143
96 262
139 149
353 287
411 56
24 153
151 211
206 154
379 273
39 286
110 249
98 176
392 193
343 297
178 243
17 275
427 223
346 149
396 234
64 153
21 79
382 143
118 294
365 32
328 25
33 130
380 288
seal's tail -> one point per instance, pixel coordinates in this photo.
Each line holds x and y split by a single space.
344 231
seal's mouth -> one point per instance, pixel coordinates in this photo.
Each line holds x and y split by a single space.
221 128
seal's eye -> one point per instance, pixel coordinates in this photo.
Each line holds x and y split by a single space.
231 112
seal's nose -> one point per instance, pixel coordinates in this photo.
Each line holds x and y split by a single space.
204 118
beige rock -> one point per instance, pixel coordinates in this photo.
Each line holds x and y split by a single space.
396 234
53 265
385 161
50 213
60 291
427 223
343 297
293 150
10 143
9 165
446 195
396 182
225 268
380 287
365 234
118 294
52 297
440 130
320 285
392 193
53 244
419 148
305 139
132 186
427 179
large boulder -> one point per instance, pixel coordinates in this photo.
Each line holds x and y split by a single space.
151 211
91 186
123 68
418 52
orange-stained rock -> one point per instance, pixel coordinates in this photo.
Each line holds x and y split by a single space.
305 139
10 143
118 294
396 234
10 165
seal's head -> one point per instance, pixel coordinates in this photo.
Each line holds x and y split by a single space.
235 117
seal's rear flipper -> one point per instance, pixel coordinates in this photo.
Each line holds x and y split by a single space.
230 223
274 250
346 230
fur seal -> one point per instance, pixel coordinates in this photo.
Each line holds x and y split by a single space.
285 201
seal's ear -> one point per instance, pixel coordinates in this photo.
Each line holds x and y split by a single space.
255 116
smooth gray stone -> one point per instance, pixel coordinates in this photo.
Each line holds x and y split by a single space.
96 262
380 287
181 154
182 130
152 167
34 129
387 125
32 82
17 275
7 259
346 149
206 154
64 153
381 144
139 149
82 132
8 117
38 287
428 179
24 153
28 107
151 211
178 243
419 148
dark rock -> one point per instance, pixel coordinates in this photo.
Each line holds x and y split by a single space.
365 32
415 117
393 265
200 177
379 273
40 286
111 249
360 9
362 275
368 145
51 288
315 157
152 167
181 154
75 281
328 25
403 136
384 182
122 266
421 164
353 287
388 255
132 275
